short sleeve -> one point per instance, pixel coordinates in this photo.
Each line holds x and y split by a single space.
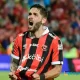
57 55
15 51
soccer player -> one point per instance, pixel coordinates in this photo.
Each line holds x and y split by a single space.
37 53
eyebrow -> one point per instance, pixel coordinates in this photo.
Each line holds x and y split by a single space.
35 13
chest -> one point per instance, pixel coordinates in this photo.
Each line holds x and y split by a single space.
38 45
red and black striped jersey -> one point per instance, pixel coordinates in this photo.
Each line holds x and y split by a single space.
40 54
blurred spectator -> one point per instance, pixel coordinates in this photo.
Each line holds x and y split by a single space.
12 22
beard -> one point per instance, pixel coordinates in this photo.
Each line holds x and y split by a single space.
36 27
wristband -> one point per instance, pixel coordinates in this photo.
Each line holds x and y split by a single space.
42 77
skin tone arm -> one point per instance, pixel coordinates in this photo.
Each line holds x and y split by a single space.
53 73
13 67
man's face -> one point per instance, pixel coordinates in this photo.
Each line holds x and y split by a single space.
34 19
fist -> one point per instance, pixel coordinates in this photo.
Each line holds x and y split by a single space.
12 76
36 76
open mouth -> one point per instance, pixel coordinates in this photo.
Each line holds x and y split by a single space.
30 23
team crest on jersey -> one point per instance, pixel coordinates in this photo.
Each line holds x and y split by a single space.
44 48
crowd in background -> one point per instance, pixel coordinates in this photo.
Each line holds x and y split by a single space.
13 20
63 19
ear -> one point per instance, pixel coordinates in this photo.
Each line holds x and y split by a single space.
44 20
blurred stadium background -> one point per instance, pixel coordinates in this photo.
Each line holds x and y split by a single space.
63 19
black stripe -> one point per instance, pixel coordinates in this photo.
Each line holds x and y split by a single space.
19 52
48 64
45 53
31 52
59 42
24 42
60 52
23 51
60 55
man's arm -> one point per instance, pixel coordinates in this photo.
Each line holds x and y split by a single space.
14 60
57 61
13 68
14 65
53 73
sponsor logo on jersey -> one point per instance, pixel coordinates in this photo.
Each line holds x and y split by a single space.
31 57
34 44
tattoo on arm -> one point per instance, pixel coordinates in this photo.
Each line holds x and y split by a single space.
14 65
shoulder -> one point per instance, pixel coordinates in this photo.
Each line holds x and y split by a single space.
54 36
20 35
57 43
56 39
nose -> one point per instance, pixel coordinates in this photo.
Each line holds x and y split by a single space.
30 17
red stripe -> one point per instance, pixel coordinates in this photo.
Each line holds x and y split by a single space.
39 51
20 44
28 42
56 51
17 42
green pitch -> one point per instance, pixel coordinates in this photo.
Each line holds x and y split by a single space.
4 76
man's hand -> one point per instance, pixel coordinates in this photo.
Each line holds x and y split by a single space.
12 76
36 76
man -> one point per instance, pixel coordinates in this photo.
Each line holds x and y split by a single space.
37 54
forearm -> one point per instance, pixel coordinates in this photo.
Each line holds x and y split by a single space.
13 68
14 65
53 73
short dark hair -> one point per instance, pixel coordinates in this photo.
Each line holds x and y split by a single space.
42 9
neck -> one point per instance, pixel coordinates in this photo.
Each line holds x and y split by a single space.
39 32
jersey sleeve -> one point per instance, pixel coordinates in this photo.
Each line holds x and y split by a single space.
57 55
16 50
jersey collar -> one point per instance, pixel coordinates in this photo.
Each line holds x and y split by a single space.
44 33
